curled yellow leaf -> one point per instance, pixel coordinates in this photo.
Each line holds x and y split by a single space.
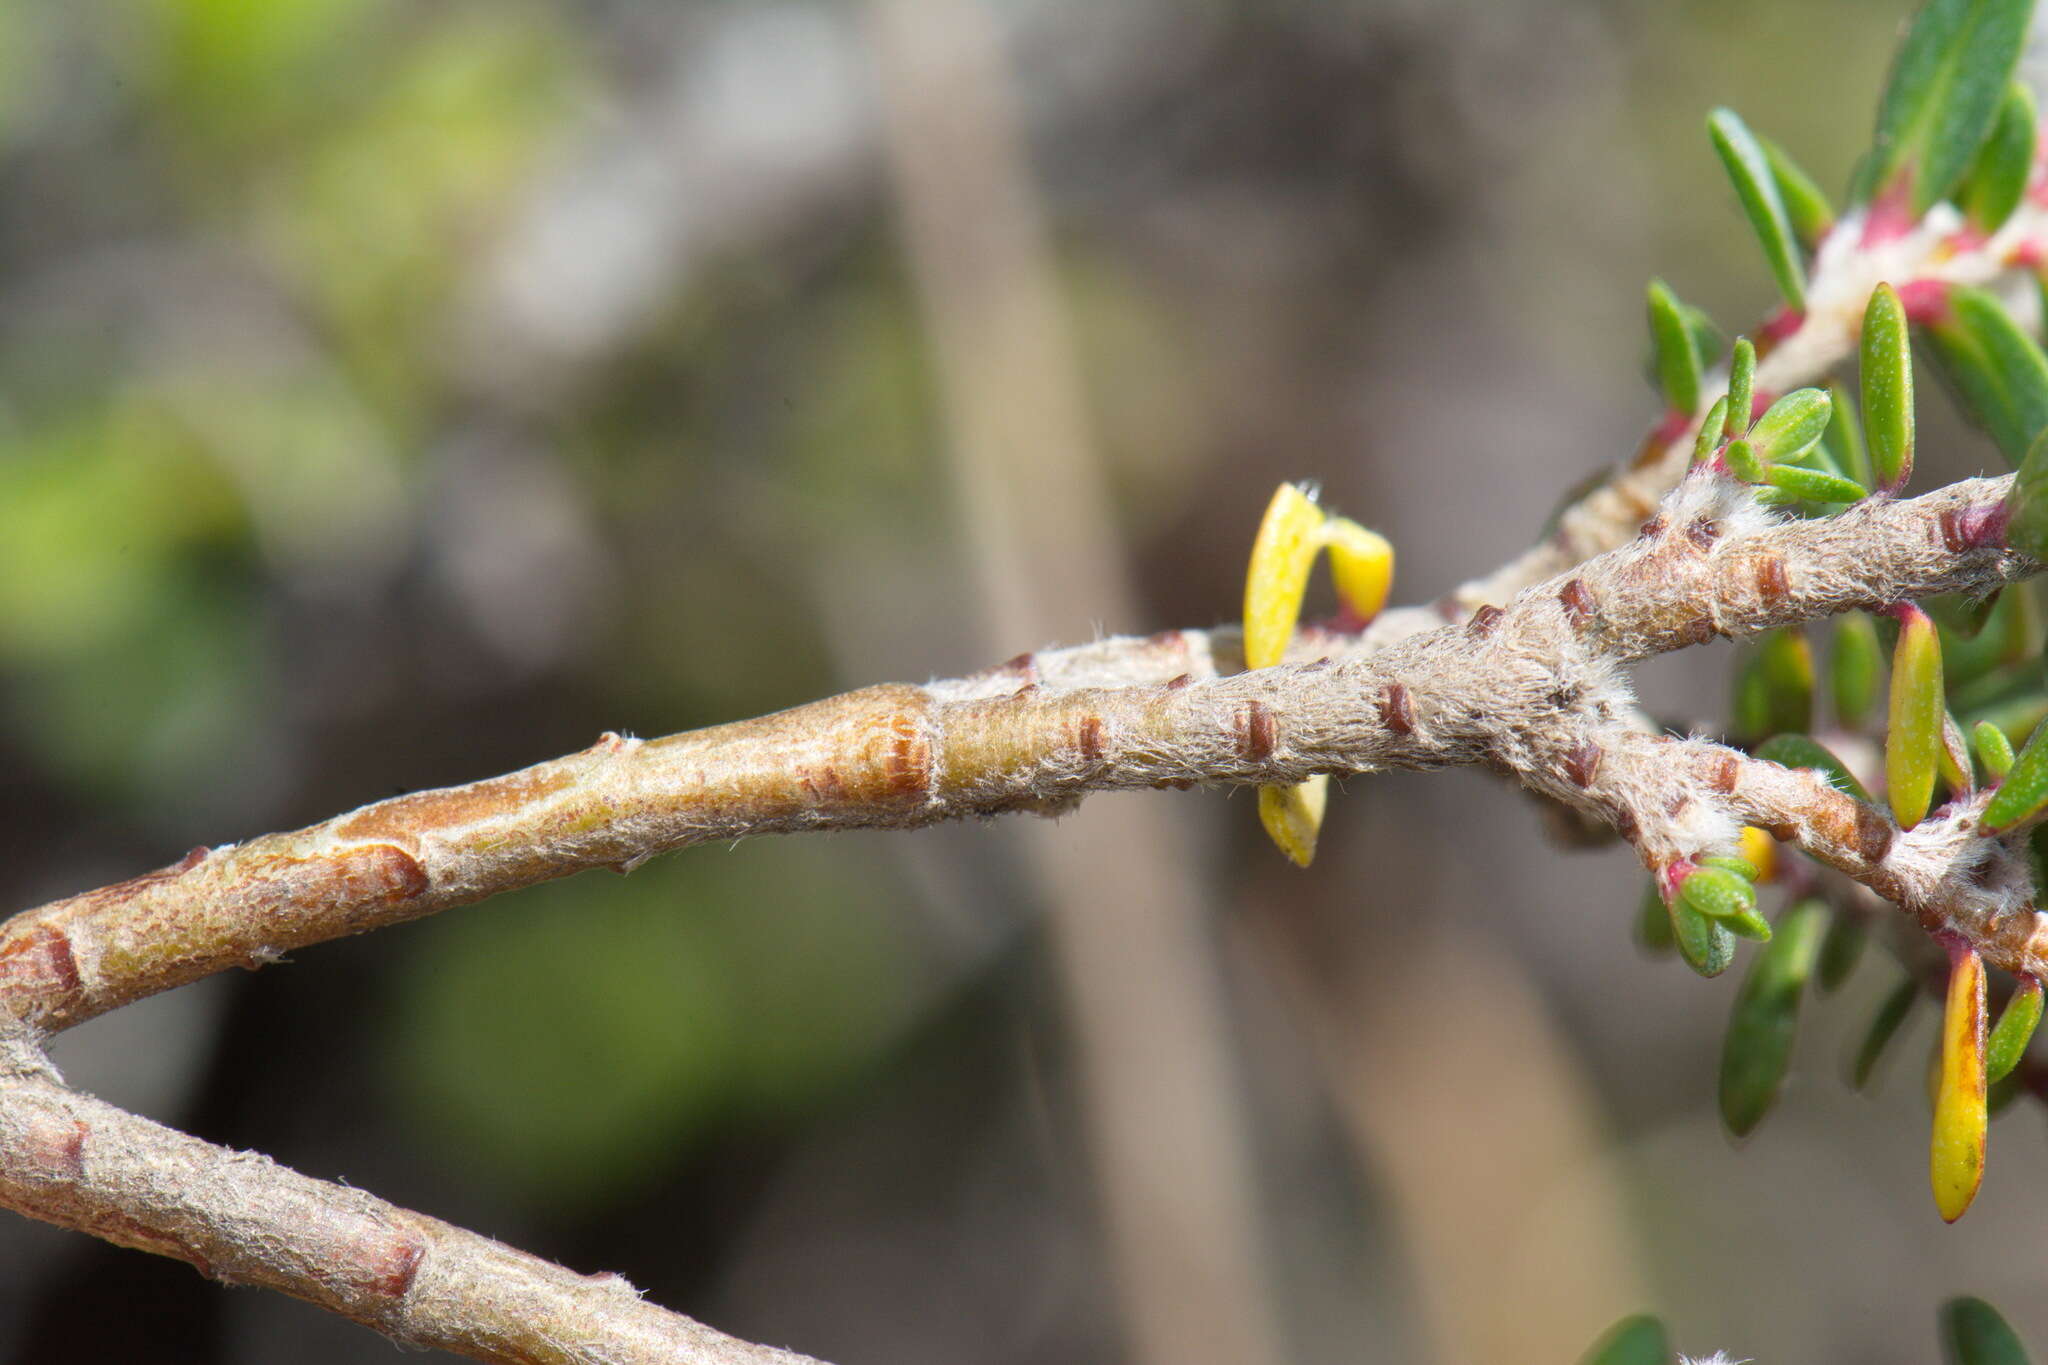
1294 815
1291 534
1284 551
1361 565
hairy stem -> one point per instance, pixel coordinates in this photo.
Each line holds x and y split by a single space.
1534 689
242 1218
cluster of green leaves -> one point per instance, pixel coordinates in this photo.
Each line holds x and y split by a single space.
1982 662
1967 680
1972 1333
1781 450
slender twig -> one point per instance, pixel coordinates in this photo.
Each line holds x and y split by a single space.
242 1218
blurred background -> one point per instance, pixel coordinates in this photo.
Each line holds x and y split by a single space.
393 394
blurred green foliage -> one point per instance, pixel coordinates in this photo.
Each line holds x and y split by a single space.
158 473
567 1044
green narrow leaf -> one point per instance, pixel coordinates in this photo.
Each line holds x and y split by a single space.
1718 893
2024 792
2013 1031
1639 1340
1912 749
2019 622
1742 462
2010 698
1678 357
2026 527
1994 750
1976 635
1957 771
1962 621
1758 1047
1860 183
1822 457
1842 949
1997 180
1884 1026
1786 661
1751 702
1749 166
1943 96
1811 485
1708 439
1704 943
1653 923
1972 1333
2019 710
1791 426
1887 625
1886 367
1741 387
1998 372
1804 751
1805 204
1997 691
1845 437
1749 924
1854 668
1707 339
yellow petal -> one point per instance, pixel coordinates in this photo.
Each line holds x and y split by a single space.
1361 564
1956 1154
1760 851
1282 554
1293 815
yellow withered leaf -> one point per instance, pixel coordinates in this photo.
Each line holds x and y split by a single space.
1956 1153
1294 815
1361 565
1290 535
1760 851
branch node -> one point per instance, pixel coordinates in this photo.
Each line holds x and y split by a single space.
1396 713
1582 764
1578 603
1256 732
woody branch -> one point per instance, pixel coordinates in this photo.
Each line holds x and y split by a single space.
242 1218
1534 689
